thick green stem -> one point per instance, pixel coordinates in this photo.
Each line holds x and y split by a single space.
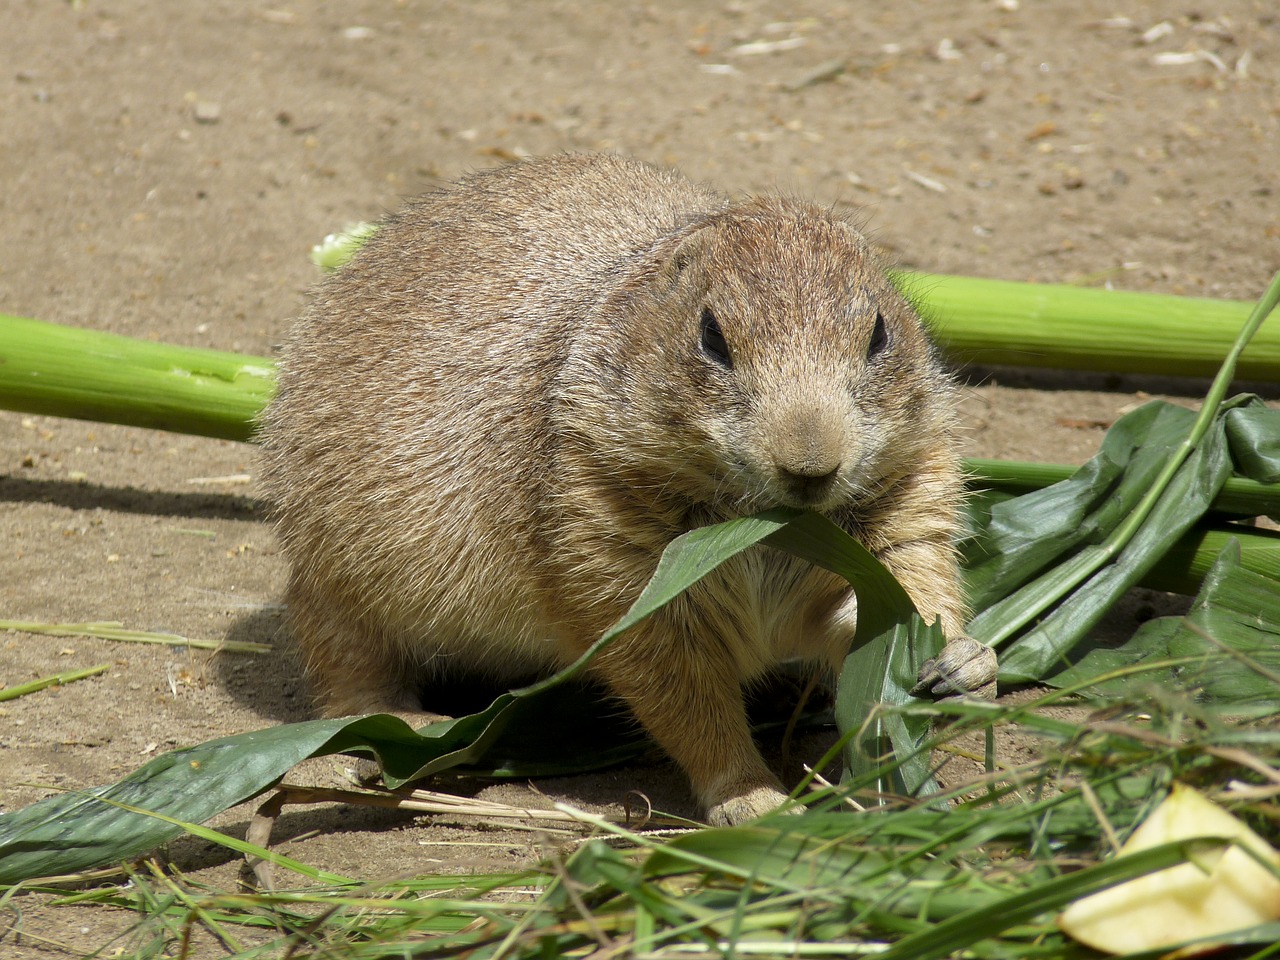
1071 328
64 371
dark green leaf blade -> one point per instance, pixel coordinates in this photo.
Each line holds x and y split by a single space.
1029 534
891 644
75 831
1184 502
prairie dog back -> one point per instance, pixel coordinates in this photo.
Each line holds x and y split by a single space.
495 417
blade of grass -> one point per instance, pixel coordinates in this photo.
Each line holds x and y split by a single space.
57 680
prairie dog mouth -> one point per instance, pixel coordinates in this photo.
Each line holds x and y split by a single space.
810 490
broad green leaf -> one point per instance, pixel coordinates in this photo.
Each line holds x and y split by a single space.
1028 534
75 831
1192 472
1184 501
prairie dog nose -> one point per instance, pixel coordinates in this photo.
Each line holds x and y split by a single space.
809 442
809 475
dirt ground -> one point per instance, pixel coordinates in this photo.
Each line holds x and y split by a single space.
168 166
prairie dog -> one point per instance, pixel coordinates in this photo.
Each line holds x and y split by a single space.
496 416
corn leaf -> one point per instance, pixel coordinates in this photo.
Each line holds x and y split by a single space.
1159 478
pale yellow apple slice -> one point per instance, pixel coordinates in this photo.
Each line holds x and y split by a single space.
1224 891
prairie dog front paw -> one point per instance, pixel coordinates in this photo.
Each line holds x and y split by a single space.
964 668
754 803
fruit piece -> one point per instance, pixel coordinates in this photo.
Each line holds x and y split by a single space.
1220 892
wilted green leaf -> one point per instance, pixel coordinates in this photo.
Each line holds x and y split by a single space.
1045 550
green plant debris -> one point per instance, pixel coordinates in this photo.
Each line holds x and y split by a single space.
984 877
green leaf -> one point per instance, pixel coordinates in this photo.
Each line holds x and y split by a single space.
76 831
1027 535
1183 502
891 643
1192 472
1253 433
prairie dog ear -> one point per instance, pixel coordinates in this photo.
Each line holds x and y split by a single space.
674 262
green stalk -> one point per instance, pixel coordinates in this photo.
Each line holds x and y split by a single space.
61 371
1054 325
1070 575
90 375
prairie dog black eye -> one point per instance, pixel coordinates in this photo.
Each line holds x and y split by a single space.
879 337
713 342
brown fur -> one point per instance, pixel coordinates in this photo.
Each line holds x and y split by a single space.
498 414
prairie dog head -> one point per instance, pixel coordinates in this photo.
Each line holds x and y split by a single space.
763 359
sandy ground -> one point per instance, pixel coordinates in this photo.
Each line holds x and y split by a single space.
167 168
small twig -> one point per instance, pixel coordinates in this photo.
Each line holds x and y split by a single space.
259 834
937 186
822 781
